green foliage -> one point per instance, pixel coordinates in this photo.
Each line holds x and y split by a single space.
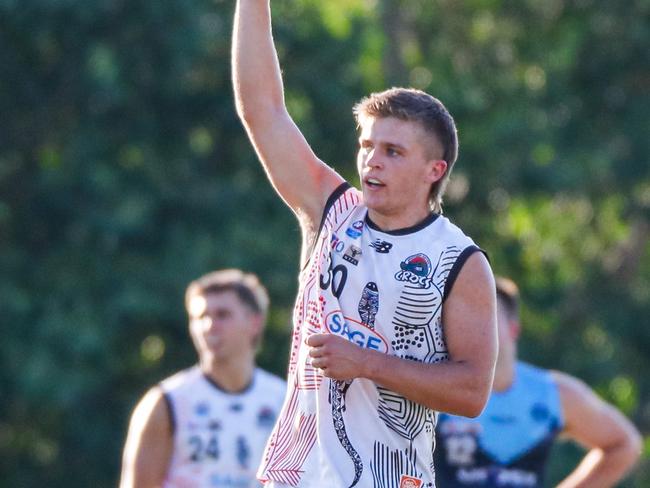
124 174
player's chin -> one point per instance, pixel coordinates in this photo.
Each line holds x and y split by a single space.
214 346
372 200
377 206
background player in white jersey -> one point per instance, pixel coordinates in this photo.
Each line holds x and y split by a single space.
206 426
395 316
509 443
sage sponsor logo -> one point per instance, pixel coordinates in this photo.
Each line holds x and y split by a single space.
355 331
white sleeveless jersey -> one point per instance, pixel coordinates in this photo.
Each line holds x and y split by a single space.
382 291
219 436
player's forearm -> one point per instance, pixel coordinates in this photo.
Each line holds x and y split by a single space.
459 388
603 468
255 68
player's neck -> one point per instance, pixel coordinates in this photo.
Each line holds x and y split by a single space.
403 220
504 375
231 376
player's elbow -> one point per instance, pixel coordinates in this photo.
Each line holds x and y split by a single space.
477 392
625 447
256 111
245 111
474 406
474 399
633 445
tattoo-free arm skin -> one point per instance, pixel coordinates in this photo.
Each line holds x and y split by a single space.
614 443
149 444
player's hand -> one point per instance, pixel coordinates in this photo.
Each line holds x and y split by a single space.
336 357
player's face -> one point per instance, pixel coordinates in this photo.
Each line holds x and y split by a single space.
222 325
396 171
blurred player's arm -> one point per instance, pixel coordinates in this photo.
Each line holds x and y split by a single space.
149 444
461 385
614 443
303 181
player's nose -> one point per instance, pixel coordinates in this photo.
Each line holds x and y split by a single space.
374 159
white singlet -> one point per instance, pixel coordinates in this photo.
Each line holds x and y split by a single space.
383 291
219 436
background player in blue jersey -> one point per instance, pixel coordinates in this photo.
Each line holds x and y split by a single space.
509 443
206 426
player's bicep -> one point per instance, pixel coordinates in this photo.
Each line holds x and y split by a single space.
469 315
149 443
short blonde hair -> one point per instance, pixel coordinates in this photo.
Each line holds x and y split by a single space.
508 295
247 286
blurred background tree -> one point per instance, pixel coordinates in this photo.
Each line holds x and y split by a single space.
124 174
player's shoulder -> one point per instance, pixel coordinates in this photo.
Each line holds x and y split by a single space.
180 379
269 381
345 191
454 239
151 408
344 199
569 386
447 224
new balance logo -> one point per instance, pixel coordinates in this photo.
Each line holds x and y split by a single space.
382 247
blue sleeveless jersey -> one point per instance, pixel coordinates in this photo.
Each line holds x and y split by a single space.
509 443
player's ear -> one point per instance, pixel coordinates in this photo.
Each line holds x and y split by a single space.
437 169
257 322
515 329
257 327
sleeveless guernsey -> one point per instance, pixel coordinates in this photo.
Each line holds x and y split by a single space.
219 436
508 444
382 291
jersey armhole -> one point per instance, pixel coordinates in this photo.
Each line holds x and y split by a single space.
170 411
336 194
458 265
554 393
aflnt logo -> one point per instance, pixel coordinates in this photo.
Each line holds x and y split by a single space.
352 255
415 270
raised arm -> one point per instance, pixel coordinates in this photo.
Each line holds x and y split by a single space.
614 443
302 180
149 444
461 385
